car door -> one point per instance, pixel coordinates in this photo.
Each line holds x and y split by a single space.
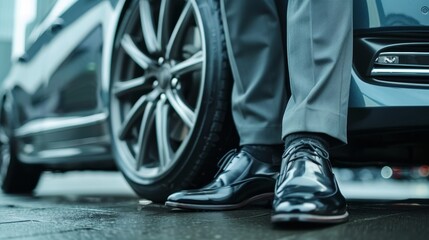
73 76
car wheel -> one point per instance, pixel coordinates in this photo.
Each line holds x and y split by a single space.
169 95
15 176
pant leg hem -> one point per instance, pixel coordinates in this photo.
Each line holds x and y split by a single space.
318 121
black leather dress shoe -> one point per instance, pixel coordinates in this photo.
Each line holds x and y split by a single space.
306 190
240 181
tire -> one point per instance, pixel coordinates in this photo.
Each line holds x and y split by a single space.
15 176
169 99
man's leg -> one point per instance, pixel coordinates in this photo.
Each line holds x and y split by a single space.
256 54
319 47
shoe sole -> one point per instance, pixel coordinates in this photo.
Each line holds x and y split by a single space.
308 218
257 198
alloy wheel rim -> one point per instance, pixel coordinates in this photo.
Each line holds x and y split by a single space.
157 85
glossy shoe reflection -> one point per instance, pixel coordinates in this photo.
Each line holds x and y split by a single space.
306 190
240 181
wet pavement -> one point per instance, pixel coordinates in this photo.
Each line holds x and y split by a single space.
101 206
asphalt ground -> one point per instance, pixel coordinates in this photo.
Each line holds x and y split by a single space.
93 205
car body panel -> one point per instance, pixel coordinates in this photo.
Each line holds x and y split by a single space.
373 14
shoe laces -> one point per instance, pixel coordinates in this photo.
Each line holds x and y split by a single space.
309 149
225 161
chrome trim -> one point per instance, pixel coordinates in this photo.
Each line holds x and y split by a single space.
59 145
400 72
405 53
68 157
47 125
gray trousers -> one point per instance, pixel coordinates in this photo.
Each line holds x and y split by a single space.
318 51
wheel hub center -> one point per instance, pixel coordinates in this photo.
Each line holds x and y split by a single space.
164 76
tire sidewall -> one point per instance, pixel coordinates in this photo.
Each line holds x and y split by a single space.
19 177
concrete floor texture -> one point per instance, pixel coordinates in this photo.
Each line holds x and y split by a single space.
102 206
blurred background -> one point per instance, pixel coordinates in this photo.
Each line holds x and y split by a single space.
17 19
363 183
6 33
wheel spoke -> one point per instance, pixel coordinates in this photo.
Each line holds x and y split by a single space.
164 149
191 64
148 28
179 29
163 20
143 139
181 108
4 138
132 116
134 52
130 86
135 112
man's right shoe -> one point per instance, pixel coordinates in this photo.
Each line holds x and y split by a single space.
241 180
306 190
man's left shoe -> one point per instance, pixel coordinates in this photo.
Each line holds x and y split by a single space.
306 190
241 180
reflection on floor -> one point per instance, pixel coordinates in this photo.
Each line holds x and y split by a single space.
384 182
362 183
